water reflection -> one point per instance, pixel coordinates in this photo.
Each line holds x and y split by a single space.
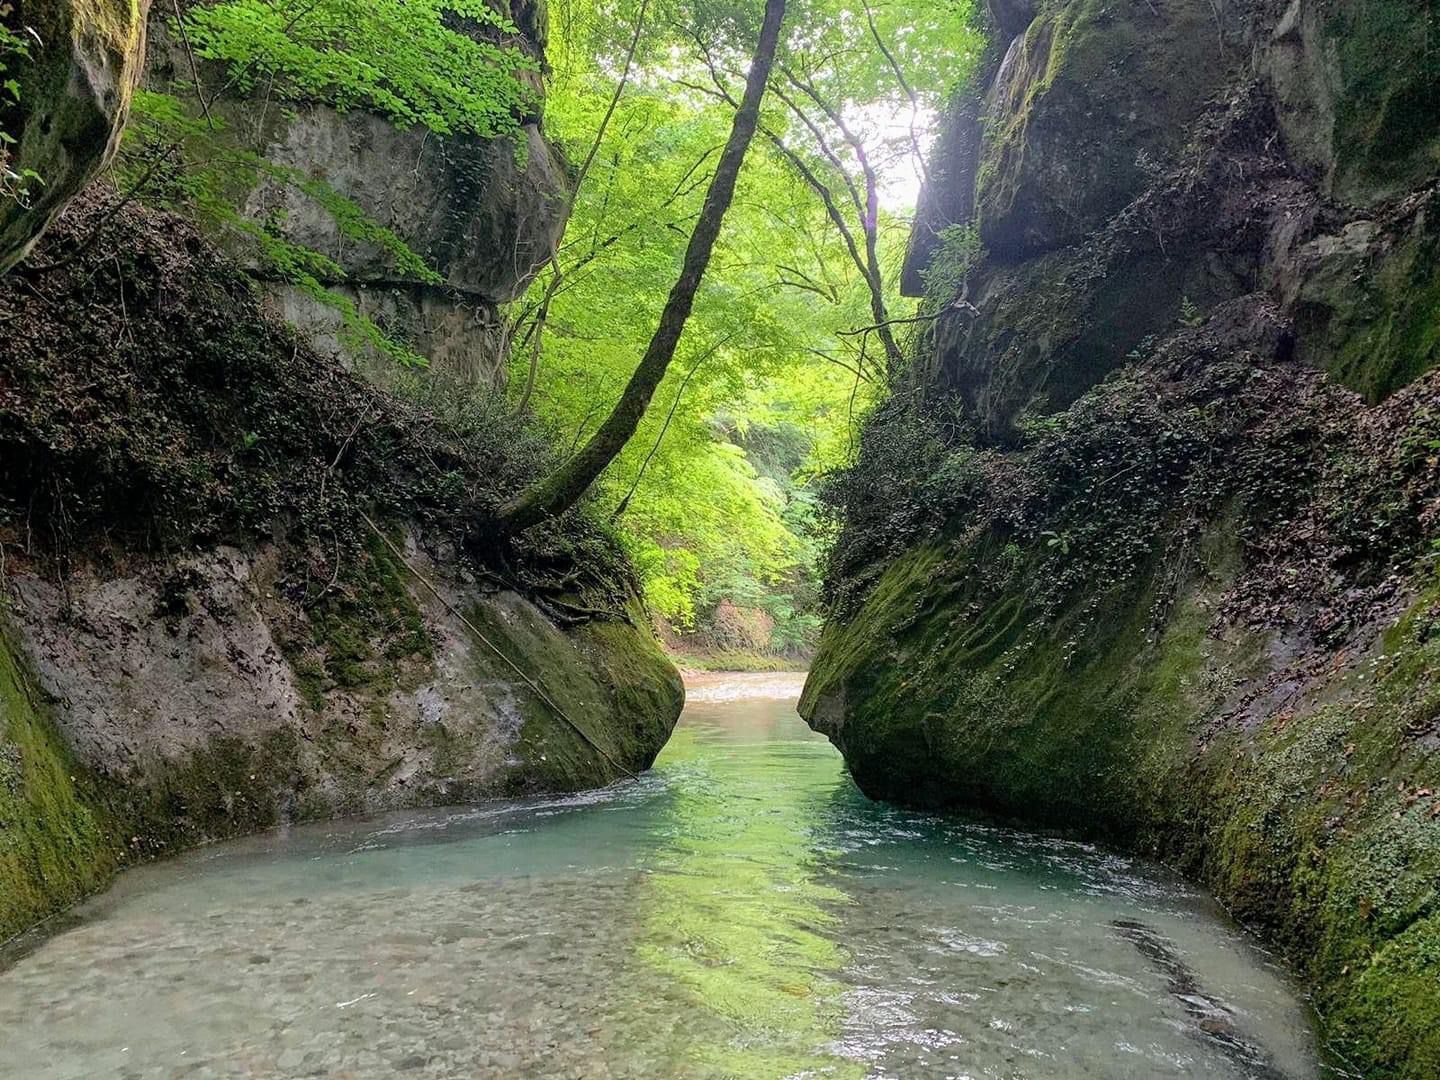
736 910
741 912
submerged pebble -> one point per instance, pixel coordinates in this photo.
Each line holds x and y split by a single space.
740 912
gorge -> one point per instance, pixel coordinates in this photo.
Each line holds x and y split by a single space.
1112 470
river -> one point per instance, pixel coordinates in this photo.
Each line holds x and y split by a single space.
739 912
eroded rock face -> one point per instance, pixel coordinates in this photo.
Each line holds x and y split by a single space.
485 214
86 58
230 628
188 700
1357 83
156 671
1154 561
1079 101
1230 180
1012 17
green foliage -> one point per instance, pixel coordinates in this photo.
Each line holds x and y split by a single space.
425 62
15 186
1190 314
708 506
764 394
956 254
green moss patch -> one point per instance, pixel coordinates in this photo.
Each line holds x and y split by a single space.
365 634
608 676
56 844
1387 133
1171 618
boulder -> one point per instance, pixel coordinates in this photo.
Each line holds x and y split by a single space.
1079 105
1357 82
485 214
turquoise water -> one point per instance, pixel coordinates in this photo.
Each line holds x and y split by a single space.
741 911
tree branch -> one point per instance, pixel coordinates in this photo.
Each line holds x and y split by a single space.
920 165
675 404
560 490
556 275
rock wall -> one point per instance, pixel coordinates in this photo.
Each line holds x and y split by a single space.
1154 558
485 214
200 634
1142 192
185 700
484 221
84 60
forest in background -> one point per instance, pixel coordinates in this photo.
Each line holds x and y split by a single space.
718 496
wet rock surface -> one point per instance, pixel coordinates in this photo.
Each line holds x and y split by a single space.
207 631
1161 566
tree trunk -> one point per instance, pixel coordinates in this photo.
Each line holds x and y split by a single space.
560 490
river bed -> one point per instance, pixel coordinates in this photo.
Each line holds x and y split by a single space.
739 912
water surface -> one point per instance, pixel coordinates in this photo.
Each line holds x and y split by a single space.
741 911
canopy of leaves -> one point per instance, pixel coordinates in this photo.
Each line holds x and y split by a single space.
714 492
713 496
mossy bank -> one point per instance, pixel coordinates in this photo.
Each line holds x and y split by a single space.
204 635
1155 559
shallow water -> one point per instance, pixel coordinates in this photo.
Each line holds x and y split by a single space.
741 911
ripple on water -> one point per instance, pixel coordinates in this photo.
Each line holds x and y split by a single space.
740 912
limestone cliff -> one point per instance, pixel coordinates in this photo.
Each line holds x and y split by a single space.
1153 557
201 635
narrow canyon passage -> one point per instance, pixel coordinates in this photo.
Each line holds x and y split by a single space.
742 910
397 396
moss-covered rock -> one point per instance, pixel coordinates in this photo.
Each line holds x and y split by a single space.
1317 820
1357 81
264 597
1082 98
1140 570
1105 222
83 59
129 736
1195 614
1037 332
56 845
484 214
1367 299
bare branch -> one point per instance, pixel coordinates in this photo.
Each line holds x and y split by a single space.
556 274
920 165
956 305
